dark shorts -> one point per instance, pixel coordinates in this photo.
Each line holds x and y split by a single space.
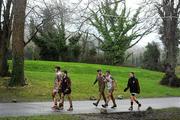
59 91
66 91
133 94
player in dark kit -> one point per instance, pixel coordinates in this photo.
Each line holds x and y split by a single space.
101 84
66 90
133 84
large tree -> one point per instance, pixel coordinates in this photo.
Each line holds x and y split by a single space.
118 29
18 43
5 33
169 11
74 48
51 37
151 57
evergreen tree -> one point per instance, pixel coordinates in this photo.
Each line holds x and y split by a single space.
151 57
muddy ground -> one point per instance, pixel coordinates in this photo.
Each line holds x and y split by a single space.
164 114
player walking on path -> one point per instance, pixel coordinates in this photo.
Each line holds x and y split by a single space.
110 86
101 84
57 84
66 90
133 84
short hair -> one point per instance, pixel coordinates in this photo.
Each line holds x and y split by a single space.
65 71
132 73
99 70
58 68
108 71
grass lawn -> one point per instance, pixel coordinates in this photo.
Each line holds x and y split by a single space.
42 117
40 76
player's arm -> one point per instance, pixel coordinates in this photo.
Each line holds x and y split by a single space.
95 81
59 80
128 84
69 83
138 86
115 84
104 78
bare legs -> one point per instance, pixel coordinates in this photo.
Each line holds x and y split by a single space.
133 99
54 99
101 93
110 97
70 102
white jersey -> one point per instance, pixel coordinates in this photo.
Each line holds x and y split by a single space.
58 78
109 80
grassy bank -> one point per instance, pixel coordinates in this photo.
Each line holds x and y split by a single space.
40 76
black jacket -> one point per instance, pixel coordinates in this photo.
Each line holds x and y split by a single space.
133 84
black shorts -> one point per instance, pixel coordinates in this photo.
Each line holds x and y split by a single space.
66 91
59 91
133 94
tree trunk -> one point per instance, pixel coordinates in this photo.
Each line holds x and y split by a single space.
1 3
18 44
3 57
170 23
5 39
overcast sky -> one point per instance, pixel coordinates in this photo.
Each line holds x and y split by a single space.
132 4
149 38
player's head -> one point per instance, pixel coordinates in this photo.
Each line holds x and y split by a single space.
99 71
108 72
57 68
65 72
131 74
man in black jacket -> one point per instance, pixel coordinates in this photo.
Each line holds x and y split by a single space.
133 84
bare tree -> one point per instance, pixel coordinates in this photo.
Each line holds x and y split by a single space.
5 33
168 12
18 43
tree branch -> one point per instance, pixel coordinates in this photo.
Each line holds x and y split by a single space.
98 38
141 36
34 34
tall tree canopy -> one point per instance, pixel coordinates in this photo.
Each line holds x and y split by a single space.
117 28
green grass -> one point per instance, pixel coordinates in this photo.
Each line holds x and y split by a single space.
40 76
42 117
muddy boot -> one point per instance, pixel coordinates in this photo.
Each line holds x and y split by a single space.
95 104
61 106
70 109
105 105
139 105
130 108
114 106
